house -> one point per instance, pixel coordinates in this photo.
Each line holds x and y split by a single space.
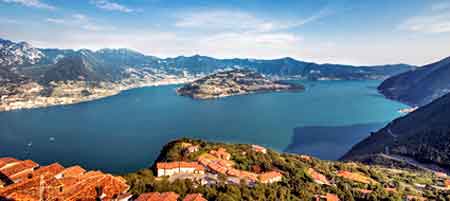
34 182
15 170
270 177
221 153
317 177
7 160
192 148
194 197
73 171
388 189
327 197
249 176
305 157
217 168
364 191
171 168
155 196
259 149
414 198
357 177
440 174
447 183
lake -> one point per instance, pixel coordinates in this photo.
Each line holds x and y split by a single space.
124 133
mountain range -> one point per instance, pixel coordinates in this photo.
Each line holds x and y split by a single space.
46 65
419 86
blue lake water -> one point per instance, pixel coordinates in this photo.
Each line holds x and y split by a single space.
126 132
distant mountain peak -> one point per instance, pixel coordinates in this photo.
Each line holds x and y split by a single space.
12 54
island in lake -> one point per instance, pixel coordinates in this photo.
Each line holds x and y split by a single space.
234 82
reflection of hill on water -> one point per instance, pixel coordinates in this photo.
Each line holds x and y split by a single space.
329 142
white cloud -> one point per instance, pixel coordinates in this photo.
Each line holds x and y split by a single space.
55 20
436 20
111 6
225 20
31 3
439 23
251 45
80 21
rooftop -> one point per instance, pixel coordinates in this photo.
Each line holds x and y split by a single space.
194 197
178 164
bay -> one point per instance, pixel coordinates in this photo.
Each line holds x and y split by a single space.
124 133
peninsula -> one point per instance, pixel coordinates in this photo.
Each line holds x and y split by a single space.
233 82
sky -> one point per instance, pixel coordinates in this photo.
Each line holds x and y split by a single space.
323 31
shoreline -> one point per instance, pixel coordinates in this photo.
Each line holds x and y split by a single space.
44 102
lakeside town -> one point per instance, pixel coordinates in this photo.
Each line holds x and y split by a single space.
32 94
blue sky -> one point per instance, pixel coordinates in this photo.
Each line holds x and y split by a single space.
324 31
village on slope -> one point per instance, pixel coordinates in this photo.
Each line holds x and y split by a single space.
214 166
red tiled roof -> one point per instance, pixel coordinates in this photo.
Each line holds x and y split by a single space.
217 168
364 191
194 197
7 160
52 169
317 176
21 197
264 177
258 148
18 168
358 177
233 172
179 164
221 153
72 188
73 171
415 198
328 197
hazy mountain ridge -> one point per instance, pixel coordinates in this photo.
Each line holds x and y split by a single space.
419 86
423 135
114 61
33 77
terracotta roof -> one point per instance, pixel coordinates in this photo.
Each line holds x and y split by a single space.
390 189
305 157
52 169
440 174
364 191
221 153
415 198
194 197
265 177
179 164
73 171
75 187
258 148
217 168
358 177
332 197
21 197
233 172
7 160
18 168
155 196
318 178
328 197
